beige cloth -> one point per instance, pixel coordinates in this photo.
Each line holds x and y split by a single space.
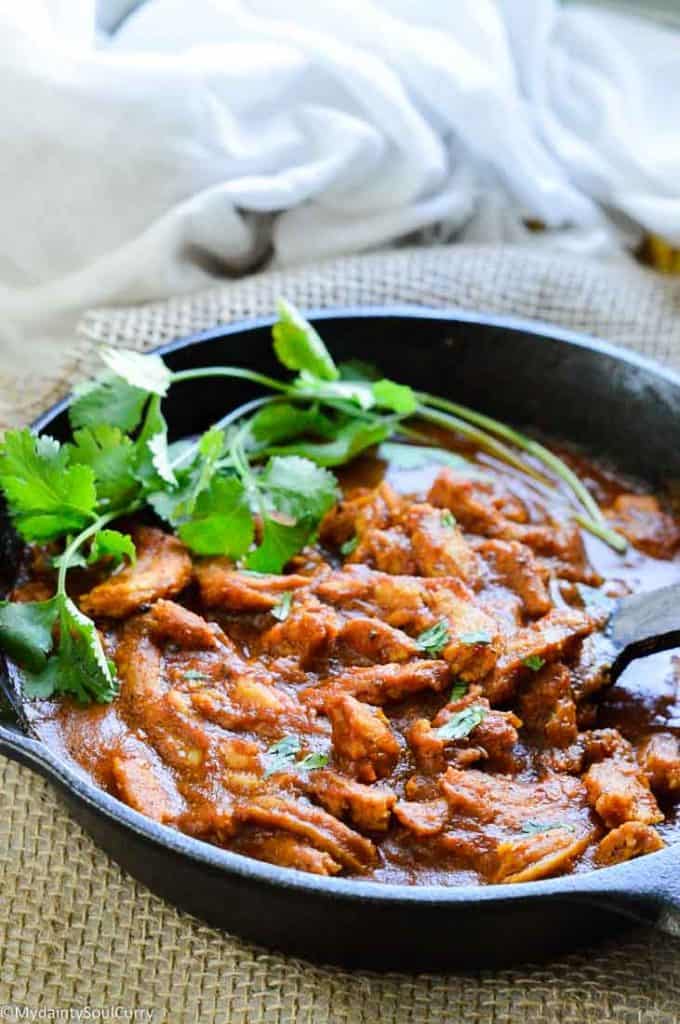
76 931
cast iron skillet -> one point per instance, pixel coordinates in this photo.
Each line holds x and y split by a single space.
586 391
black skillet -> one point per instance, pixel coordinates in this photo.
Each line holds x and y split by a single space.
613 404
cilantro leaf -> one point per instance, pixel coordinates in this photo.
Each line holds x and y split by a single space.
296 490
177 502
41 684
111 455
110 396
280 757
297 487
458 690
77 667
147 372
359 370
462 723
114 545
435 639
298 346
75 561
222 523
282 421
83 669
349 440
160 460
448 519
171 504
478 636
281 609
534 662
26 631
279 544
311 762
46 496
210 450
398 397
349 546
359 392
152 449
211 445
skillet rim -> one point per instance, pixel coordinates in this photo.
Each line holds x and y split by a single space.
616 880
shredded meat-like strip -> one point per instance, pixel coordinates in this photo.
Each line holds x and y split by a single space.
163 569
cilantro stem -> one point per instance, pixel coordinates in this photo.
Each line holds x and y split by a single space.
229 371
341 404
480 437
240 459
84 535
189 452
605 533
594 522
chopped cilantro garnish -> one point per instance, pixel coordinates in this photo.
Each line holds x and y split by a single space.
532 828
534 662
433 640
349 546
462 723
458 690
448 519
311 762
281 757
281 610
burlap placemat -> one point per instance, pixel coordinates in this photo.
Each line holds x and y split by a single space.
75 931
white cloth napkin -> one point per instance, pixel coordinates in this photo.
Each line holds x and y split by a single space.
157 148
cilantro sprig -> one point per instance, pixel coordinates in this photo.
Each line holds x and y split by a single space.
254 487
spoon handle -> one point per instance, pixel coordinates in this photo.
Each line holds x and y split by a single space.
643 624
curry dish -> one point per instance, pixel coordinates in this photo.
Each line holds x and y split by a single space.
420 696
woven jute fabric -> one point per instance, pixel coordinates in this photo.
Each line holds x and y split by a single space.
76 932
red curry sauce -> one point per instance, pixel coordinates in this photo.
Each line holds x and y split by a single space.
494 755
